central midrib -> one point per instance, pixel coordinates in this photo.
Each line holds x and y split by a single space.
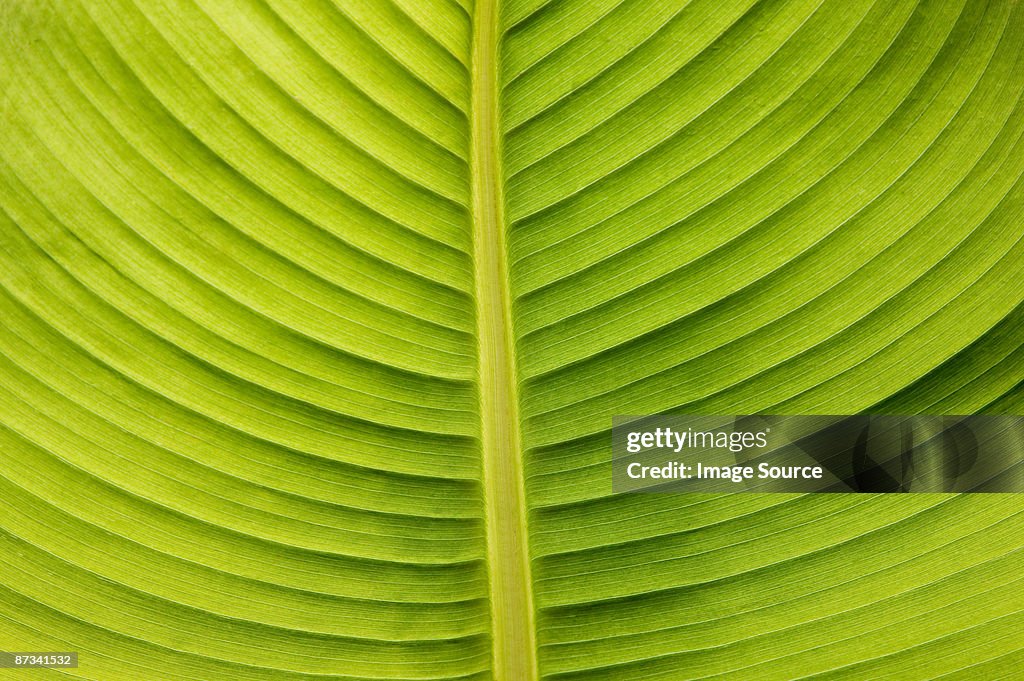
512 616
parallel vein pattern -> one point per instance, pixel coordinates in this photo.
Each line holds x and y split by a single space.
239 418
314 315
781 207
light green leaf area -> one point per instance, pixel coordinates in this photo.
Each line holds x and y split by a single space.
314 315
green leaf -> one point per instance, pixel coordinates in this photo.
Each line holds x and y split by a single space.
314 316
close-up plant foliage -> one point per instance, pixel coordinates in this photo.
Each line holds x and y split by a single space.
315 314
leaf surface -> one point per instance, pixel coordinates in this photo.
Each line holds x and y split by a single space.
314 315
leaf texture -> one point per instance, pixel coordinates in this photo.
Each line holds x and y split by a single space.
314 315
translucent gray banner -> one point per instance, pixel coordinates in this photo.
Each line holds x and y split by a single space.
37 660
875 454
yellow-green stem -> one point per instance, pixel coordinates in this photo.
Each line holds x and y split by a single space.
512 614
